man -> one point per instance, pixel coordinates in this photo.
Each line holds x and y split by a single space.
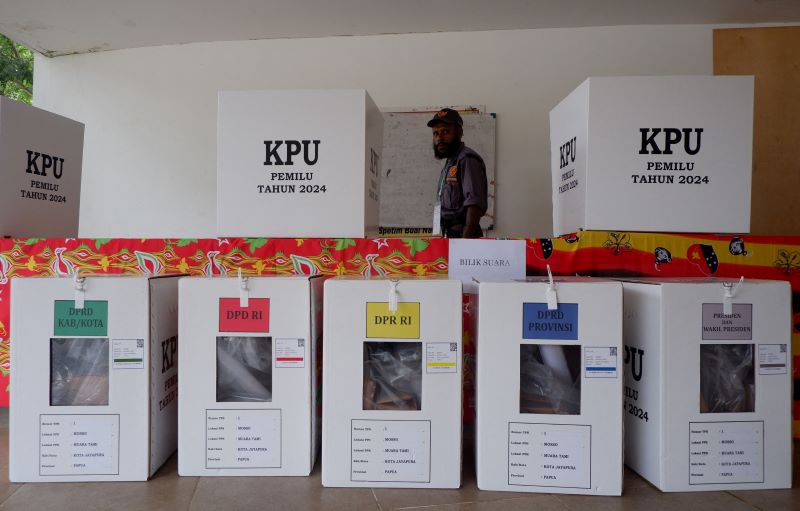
462 192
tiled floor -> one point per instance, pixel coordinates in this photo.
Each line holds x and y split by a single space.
169 492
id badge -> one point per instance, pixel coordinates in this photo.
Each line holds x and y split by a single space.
437 220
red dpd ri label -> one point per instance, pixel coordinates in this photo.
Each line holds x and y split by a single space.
254 318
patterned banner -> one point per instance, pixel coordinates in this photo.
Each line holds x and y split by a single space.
596 253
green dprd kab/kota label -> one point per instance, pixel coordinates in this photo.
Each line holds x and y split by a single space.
91 321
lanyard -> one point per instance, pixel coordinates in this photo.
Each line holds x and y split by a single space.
441 181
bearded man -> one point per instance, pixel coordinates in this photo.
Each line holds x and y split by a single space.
462 193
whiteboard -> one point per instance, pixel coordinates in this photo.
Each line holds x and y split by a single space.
410 172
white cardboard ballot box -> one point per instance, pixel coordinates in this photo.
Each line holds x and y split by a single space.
298 163
41 156
94 387
549 386
248 383
660 153
391 406
708 390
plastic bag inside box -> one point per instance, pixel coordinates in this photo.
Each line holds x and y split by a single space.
78 372
727 378
392 375
549 379
244 369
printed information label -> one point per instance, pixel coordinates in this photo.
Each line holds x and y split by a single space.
382 324
726 452
600 362
91 321
737 326
556 455
290 353
441 357
396 451
78 445
243 438
127 353
772 359
540 323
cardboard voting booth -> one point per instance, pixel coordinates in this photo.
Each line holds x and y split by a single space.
249 387
298 163
664 154
549 386
392 383
708 383
94 387
41 154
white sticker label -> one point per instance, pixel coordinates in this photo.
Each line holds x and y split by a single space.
127 353
600 362
395 451
437 220
78 445
726 452
243 438
556 455
290 352
441 357
772 359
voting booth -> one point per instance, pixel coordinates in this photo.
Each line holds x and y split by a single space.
653 154
41 157
708 383
298 163
95 383
249 390
391 412
549 386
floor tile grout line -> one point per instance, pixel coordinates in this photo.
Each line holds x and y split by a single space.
740 499
375 496
194 492
426 506
12 493
463 502
563 504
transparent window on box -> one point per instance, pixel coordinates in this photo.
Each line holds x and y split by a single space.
727 378
392 375
79 371
244 369
550 379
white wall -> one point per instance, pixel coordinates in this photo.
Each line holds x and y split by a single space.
150 113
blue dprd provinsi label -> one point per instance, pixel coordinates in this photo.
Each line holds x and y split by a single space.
559 324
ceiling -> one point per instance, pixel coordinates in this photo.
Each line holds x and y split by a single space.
59 27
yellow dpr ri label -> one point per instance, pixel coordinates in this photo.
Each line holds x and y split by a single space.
403 324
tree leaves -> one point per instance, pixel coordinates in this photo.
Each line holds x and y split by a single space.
16 70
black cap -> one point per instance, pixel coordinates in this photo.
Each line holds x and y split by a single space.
446 115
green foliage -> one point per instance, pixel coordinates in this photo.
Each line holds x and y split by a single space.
16 70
